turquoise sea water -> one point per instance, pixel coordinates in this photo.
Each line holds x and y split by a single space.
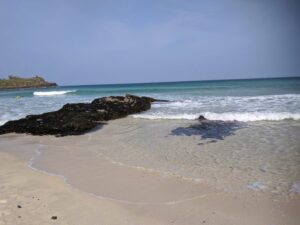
244 100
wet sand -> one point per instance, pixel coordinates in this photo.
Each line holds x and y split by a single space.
79 182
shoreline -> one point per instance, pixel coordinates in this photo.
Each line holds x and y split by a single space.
215 208
91 171
30 189
117 150
31 197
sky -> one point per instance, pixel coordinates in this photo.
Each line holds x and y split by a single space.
132 41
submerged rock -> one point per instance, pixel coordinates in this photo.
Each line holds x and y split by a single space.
209 129
75 119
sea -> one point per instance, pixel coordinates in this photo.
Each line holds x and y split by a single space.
228 100
250 142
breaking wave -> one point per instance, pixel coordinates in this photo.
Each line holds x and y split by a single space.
51 93
228 108
244 117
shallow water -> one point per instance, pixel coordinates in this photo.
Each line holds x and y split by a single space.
260 157
263 154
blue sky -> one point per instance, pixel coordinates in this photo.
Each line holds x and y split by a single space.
96 42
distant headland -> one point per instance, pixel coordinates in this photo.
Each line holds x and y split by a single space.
17 82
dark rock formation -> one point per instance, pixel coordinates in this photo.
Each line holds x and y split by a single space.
210 129
75 119
18 82
200 118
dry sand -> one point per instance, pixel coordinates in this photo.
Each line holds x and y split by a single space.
104 192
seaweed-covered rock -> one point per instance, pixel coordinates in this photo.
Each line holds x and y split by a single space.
75 119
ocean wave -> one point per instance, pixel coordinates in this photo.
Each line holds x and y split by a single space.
156 116
230 116
199 101
51 93
5 117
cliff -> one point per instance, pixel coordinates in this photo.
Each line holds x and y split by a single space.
18 82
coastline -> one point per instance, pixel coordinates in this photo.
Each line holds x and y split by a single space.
15 82
150 113
116 192
26 88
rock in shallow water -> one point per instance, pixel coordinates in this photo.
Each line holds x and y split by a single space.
209 129
200 118
75 119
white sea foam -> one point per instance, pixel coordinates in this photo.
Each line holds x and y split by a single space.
51 93
253 116
232 116
166 116
4 118
295 187
227 108
257 186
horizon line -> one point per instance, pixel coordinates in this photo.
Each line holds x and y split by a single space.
180 81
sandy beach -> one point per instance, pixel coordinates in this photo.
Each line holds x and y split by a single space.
150 112
48 180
